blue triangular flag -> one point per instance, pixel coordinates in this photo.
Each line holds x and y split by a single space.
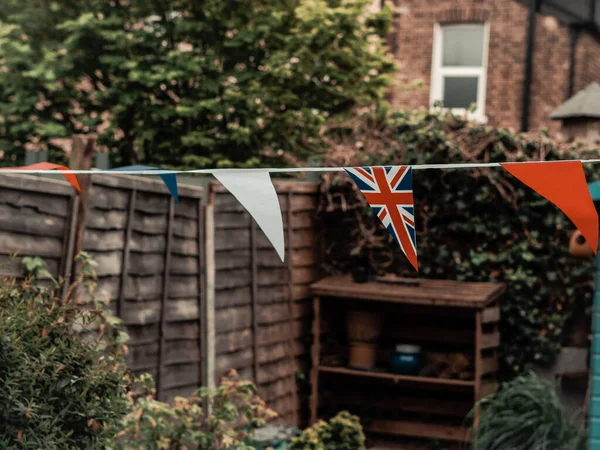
170 179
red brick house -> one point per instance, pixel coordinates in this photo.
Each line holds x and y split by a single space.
516 60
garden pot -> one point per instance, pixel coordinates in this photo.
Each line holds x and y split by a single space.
360 274
362 355
364 330
406 360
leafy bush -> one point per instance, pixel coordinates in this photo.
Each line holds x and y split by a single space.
526 414
472 224
234 407
343 432
57 389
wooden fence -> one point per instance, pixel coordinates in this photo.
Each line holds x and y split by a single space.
37 218
149 252
197 284
262 311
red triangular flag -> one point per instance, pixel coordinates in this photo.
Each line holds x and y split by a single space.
71 178
564 184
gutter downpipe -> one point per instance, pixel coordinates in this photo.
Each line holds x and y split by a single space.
534 6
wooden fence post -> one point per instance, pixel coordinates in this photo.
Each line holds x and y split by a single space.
164 300
254 293
202 293
290 278
126 251
209 297
82 157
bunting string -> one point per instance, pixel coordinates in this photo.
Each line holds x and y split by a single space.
279 169
387 189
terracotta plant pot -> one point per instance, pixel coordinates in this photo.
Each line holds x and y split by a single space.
362 355
364 331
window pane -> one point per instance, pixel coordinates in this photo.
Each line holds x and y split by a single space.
462 45
460 92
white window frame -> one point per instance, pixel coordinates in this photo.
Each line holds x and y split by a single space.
438 72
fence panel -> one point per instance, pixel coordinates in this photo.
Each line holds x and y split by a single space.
149 255
262 312
36 219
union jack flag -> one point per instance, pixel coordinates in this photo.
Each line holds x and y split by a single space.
389 192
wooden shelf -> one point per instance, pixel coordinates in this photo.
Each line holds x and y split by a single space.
417 429
428 292
397 378
448 316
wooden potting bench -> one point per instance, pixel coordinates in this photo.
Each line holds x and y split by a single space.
440 316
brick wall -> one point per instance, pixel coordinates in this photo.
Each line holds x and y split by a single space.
550 74
587 62
413 34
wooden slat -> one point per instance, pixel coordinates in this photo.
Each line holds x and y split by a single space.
180 375
478 363
490 340
12 267
491 314
254 266
488 387
315 358
29 221
147 183
66 261
404 403
290 300
431 334
27 245
418 429
182 309
36 184
428 292
489 365
201 282
164 381
126 249
396 378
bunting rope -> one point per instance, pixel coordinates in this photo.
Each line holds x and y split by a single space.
275 169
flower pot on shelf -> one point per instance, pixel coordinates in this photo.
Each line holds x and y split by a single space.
364 331
406 360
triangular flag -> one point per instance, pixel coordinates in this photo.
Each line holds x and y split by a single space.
71 178
170 179
255 191
564 184
389 192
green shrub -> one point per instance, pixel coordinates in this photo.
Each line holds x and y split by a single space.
57 389
343 432
526 414
235 410
472 224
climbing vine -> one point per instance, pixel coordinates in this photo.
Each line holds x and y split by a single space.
472 224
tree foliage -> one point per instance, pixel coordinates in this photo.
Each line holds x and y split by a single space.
472 224
186 83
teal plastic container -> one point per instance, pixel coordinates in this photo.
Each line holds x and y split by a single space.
275 437
406 360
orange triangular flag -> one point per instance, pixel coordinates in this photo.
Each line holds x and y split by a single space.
71 178
564 184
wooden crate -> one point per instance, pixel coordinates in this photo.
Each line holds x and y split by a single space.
444 316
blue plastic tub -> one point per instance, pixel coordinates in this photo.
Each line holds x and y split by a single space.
406 360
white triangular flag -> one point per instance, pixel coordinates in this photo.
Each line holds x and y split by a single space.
255 191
